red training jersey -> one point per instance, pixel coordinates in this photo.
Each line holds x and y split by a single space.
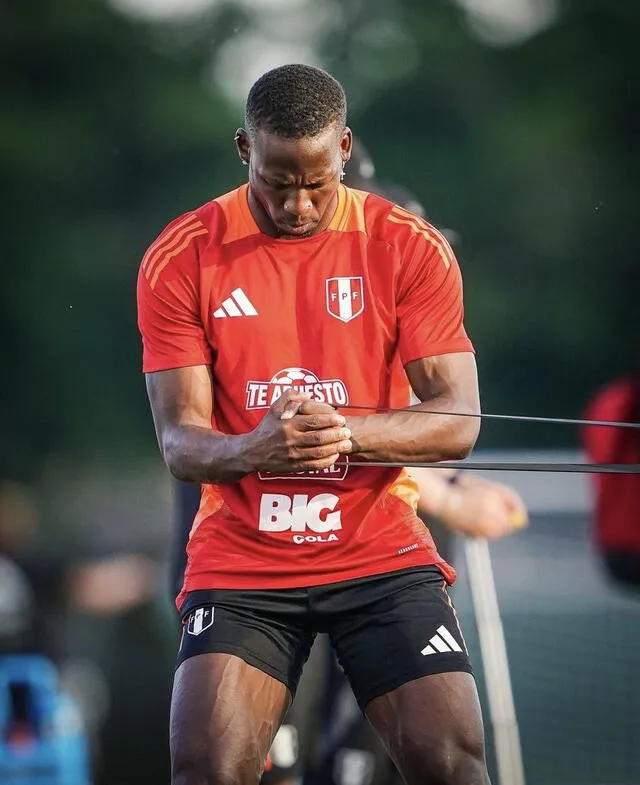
336 314
617 496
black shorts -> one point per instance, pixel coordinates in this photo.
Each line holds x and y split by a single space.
386 629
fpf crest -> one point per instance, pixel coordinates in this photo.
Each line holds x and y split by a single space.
345 297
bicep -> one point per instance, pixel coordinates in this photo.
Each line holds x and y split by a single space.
452 376
181 396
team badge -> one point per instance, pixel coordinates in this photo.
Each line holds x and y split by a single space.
345 297
200 620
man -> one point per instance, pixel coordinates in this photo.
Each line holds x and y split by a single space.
342 748
295 283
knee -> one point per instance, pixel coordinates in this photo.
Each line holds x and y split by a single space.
461 764
445 762
210 765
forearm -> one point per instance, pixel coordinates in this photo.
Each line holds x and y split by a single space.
435 488
407 436
197 454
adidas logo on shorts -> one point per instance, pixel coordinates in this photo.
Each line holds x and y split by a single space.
442 642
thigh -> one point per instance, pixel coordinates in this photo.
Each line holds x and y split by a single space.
432 729
224 716
394 629
239 663
400 644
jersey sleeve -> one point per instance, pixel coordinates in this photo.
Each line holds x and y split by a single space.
430 308
169 314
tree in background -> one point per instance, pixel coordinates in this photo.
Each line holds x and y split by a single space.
111 126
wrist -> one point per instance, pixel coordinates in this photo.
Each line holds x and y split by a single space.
240 453
354 424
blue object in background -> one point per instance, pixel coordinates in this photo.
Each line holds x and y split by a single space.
42 739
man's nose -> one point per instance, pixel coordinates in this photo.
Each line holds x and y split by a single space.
297 203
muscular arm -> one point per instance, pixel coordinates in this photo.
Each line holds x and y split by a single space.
182 403
446 383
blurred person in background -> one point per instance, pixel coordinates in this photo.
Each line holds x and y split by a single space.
69 608
52 579
616 496
256 590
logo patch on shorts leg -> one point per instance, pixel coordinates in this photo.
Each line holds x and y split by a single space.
200 620
443 641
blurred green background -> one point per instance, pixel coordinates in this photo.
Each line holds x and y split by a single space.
514 121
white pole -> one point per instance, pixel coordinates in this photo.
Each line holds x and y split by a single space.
495 663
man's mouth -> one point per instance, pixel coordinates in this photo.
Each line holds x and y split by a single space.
296 230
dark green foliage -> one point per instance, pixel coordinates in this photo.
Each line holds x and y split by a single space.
110 128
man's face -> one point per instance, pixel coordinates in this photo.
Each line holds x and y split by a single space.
294 182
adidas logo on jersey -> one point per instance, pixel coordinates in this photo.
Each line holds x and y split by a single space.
237 304
442 642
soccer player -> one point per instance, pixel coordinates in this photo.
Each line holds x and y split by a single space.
260 312
347 749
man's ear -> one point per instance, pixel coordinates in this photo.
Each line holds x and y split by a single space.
243 145
346 143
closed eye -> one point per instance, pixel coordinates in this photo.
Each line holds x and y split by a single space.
280 186
274 184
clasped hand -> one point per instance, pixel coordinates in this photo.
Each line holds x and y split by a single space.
297 434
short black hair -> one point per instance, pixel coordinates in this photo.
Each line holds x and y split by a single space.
295 101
